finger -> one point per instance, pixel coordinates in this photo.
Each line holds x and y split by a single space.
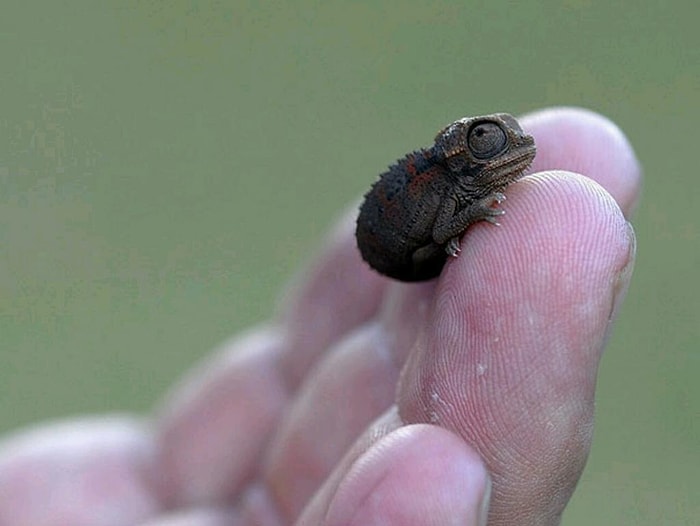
584 142
413 475
509 358
215 424
337 293
86 472
212 428
353 384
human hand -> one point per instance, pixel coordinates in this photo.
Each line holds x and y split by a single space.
366 401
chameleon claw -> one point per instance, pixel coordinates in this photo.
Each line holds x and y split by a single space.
493 216
498 197
452 248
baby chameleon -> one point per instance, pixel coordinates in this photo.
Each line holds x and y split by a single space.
413 216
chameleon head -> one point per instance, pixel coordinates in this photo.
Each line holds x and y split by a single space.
492 149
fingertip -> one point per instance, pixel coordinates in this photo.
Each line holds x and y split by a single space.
229 403
556 223
94 471
586 142
418 474
335 293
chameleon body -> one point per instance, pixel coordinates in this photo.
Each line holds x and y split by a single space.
413 216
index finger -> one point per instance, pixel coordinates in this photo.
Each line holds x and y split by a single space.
508 358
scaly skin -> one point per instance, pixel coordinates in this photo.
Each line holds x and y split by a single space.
413 216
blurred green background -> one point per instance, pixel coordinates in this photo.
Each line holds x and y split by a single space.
166 167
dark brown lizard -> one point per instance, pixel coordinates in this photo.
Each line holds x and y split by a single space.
413 216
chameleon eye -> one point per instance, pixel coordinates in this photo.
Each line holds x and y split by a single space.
487 140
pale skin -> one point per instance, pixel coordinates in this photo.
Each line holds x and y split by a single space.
367 401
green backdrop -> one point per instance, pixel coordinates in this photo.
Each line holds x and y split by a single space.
165 168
